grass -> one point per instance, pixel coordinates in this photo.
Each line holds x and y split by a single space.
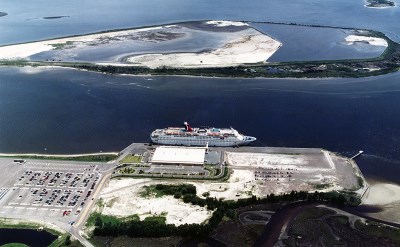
14 245
379 230
136 242
107 219
360 181
158 219
343 220
151 191
85 158
28 225
60 46
131 159
321 186
127 170
313 213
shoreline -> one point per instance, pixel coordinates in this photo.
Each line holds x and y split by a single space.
11 155
387 62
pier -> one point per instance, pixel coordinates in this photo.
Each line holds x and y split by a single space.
358 154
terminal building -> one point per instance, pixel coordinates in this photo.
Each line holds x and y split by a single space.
172 155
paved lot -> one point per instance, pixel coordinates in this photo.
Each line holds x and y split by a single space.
53 190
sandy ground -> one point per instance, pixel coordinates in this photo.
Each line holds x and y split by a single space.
382 194
252 47
387 197
122 198
241 184
264 160
23 51
227 23
352 39
238 47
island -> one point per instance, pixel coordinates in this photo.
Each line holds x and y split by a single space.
380 4
3 14
55 17
199 48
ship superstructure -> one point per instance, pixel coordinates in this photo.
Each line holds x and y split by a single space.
188 136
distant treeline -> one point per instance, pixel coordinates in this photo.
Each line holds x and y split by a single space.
137 228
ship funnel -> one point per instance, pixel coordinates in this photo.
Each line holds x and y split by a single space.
187 126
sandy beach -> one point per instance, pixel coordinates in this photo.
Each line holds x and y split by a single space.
23 51
122 198
352 39
383 194
386 196
230 44
248 49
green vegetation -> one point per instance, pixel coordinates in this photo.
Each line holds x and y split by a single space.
65 240
313 213
321 186
60 241
96 217
320 226
156 226
158 219
131 159
66 45
137 242
141 174
14 245
85 158
308 224
160 190
387 62
360 181
379 230
127 170
380 3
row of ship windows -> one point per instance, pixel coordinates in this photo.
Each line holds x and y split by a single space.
196 137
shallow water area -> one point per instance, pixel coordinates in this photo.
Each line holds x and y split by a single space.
302 43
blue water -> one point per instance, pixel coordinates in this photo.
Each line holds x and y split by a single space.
310 43
74 111
28 237
24 20
69 111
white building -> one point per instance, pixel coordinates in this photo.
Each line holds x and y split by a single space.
172 155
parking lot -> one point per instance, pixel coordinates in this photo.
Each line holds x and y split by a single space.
47 189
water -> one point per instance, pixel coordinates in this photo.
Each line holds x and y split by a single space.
310 43
28 237
24 21
70 111
67 111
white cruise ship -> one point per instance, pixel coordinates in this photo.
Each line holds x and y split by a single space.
188 136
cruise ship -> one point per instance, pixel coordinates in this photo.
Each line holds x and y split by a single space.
188 136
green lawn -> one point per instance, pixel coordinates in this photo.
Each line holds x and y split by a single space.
14 245
131 159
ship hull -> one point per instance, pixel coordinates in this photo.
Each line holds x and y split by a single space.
192 141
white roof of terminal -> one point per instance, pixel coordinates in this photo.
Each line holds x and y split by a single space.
179 155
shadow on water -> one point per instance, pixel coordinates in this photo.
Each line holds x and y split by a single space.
32 238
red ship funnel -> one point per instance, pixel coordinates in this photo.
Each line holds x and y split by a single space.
187 126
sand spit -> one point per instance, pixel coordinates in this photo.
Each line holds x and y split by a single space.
382 194
122 198
226 44
352 39
226 23
387 197
24 51
250 48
